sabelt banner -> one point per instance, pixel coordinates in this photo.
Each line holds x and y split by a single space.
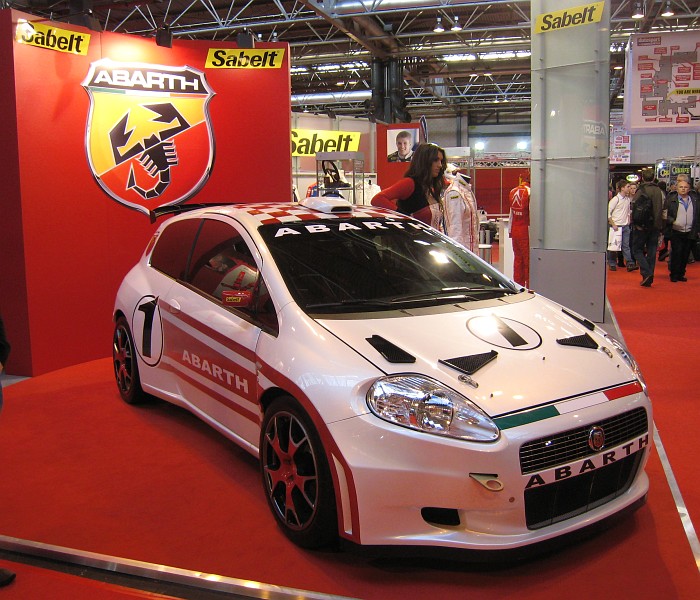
307 142
662 87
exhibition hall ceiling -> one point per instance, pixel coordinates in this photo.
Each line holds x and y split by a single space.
478 66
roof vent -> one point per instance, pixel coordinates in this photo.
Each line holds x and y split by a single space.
327 204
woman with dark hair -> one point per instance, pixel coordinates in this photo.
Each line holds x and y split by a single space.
419 192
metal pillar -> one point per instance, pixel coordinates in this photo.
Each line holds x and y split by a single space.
570 131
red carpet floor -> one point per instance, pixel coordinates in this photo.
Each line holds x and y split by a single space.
661 327
83 470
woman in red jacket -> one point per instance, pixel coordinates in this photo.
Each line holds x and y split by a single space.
419 192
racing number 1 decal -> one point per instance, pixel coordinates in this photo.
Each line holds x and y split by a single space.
148 309
148 330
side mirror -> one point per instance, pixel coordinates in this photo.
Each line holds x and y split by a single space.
237 298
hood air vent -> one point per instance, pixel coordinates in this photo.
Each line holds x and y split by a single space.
581 341
390 351
470 364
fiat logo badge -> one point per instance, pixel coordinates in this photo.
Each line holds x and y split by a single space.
596 439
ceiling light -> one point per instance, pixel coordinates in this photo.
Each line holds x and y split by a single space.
638 11
456 26
438 26
668 12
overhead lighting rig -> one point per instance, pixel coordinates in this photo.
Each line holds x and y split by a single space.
638 10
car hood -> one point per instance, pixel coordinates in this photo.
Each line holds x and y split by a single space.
506 356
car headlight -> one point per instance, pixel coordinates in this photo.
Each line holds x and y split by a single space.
425 404
628 359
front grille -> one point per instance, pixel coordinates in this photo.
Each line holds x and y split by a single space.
576 495
570 446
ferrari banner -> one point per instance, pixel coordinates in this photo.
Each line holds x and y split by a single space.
149 140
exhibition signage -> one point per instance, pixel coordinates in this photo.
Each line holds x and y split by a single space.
52 38
307 142
226 58
620 140
570 17
662 86
669 171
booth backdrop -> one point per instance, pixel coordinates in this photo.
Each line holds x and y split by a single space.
66 243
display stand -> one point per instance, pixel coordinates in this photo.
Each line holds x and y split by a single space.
341 174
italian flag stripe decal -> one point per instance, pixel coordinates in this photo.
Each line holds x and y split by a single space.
566 406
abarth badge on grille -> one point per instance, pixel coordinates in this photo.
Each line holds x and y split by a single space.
596 439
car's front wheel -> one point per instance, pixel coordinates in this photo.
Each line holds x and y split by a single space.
126 370
296 476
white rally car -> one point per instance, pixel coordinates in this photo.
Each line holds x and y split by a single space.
396 389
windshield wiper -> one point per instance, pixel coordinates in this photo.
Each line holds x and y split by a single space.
363 302
461 293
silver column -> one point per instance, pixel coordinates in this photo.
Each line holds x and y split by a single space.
570 131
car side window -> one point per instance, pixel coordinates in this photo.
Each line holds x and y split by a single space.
173 246
222 266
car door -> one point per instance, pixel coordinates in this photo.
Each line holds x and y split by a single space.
168 266
209 345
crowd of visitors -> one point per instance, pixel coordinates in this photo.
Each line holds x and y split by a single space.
650 223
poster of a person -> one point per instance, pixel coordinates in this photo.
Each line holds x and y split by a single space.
405 141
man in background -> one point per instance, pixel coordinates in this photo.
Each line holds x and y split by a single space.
682 226
645 237
619 220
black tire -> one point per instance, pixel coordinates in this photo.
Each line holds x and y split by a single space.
296 477
126 370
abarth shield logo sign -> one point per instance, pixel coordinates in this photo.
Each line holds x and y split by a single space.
149 140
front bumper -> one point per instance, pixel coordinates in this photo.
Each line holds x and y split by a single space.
402 487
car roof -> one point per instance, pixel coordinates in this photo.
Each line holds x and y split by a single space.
263 213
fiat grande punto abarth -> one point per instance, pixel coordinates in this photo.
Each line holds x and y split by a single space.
396 389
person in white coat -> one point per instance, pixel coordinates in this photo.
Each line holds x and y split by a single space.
461 214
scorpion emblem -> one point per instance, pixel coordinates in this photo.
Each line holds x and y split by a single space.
156 154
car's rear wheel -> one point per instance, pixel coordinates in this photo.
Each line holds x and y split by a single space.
296 476
126 370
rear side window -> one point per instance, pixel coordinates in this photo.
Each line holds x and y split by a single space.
173 247
221 260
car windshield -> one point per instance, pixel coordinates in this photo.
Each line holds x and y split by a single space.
344 265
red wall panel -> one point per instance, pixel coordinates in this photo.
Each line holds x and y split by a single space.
493 184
